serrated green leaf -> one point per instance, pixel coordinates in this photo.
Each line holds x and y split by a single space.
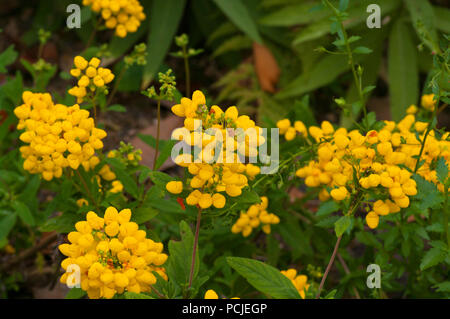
442 170
7 57
265 278
180 257
428 196
341 225
143 214
432 257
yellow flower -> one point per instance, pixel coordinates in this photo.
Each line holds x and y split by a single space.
118 258
174 187
428 102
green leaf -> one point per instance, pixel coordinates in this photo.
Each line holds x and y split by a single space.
24 213
327 221
116 108
160 178
235 43
180 257
362 50
324 71
165 153
129 184
423 18
342 224
143 214
248 196
75 293
165 15
327 208
442 16
442 170
402 69
238 13
7 57
265 278
432 257
61 224
303 111
443 286
290 15
428 196
133 295
356 15
7 222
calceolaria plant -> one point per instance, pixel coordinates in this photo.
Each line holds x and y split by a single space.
207 216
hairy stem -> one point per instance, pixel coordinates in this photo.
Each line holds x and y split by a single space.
194 250
116 85
330 263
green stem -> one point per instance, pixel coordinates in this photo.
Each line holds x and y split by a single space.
88 192
356 78
194 250
116 85
157 134
446 212
429 128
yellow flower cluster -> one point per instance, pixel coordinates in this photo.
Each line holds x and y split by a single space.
207 130
90 76
289 131
379 158
256 215
58 136
108 175
124 16
113 255
299 282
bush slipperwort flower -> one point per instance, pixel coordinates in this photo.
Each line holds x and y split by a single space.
299 282
124 16
255 216
217 168
90 77
383 161
113 255
58 136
